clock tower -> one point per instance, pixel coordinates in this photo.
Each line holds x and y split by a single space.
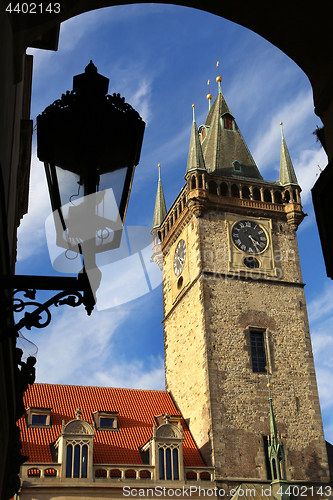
235 311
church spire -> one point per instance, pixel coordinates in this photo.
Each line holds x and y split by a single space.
275 444
195 157
224 149
160 206
287 172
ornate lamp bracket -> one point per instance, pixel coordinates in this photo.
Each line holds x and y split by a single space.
71 291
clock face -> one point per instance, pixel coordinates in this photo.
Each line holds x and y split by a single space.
179 259
249 237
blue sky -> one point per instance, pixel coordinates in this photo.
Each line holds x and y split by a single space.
160 57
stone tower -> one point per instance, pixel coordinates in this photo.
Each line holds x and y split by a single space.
234 307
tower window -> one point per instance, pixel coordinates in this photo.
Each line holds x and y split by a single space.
228 122
237 166
258 350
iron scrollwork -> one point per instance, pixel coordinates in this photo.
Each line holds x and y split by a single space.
74 292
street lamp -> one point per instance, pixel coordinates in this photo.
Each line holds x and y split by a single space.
89 142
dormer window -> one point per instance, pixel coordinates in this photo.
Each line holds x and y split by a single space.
165 448
75 448
228 121
203 130
237 166
38 417
106 421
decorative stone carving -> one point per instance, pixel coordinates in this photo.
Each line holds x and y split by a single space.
167 432
77 428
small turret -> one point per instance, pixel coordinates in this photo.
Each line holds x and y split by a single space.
287 172
195 157
159 216
160 206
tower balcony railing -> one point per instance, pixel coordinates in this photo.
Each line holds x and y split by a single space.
204 190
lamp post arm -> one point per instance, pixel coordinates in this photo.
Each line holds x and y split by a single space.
73 292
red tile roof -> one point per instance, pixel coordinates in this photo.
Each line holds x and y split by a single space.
136 411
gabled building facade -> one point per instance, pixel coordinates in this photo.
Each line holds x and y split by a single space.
96 442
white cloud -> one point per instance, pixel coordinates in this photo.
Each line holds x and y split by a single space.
306 168
136 375
321 317
80 350
75 345
293 114
323 305
31 232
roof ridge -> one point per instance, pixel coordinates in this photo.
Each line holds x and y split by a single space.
100 387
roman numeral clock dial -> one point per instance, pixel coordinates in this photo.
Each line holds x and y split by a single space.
179 258
249 237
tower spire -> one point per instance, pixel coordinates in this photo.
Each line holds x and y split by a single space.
224 145
195 157
160 206
287 172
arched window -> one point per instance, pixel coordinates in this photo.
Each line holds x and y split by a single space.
246 193
202 133
256 194
76 460
237 166
212 187
278 196
200 182
228 122
161 462
175 463
267 195
294 196
234 191
224 189
193 182
286 196
168 463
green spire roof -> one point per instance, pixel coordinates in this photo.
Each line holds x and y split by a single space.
224 143
160 206
195 157
275 444
287 172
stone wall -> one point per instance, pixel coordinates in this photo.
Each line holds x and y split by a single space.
208 355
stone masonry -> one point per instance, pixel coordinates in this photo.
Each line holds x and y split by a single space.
208 353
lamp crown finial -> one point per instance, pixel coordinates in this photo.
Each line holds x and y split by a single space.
90 68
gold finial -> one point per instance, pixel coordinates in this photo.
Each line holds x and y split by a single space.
218 78
281 123
209 95
159 165
193 105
